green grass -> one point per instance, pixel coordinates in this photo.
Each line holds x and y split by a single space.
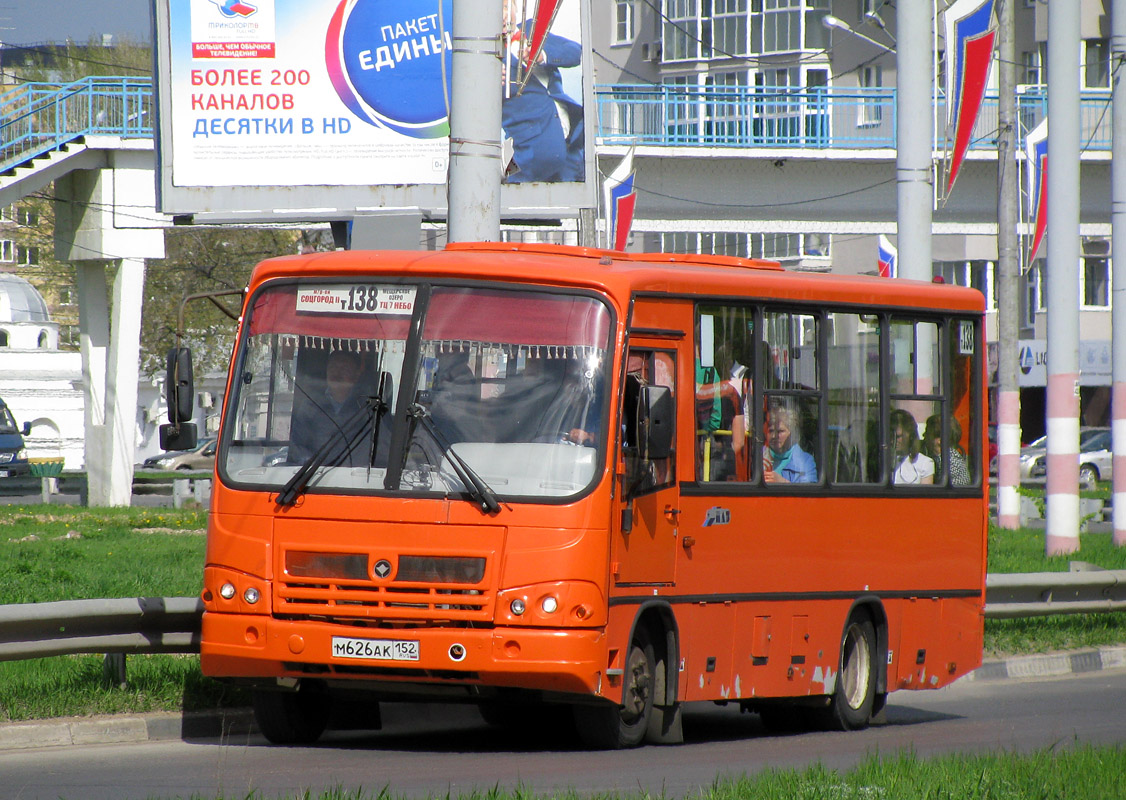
1022 550
45 688
61 553
1081 773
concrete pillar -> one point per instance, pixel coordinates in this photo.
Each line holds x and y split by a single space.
93 339
1118 264
94 227
1062 529
475 144
1008 273
914 114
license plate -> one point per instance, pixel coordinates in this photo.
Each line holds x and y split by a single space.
379 649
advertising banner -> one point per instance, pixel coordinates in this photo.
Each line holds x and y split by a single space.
274 95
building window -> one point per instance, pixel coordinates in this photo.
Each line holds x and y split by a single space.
727 110
1096 281
1096 63
44 340
27 256
871 112
816 245
1031 72
625 21
7 250
3 338
1033 297
681 37
729 28
28 217
781 26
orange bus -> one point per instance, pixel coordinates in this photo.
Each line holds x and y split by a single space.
531 475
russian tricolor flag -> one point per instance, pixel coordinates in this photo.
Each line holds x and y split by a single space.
970 34
1036 151
620 199
887 257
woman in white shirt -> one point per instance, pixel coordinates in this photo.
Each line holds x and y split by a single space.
911 466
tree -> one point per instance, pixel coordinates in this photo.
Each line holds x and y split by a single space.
202 259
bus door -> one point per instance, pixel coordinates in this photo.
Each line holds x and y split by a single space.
644 547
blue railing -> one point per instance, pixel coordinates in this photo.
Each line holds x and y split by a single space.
36 118
817 118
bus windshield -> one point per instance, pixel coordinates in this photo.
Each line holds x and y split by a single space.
506 387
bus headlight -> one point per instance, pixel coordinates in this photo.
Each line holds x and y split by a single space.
227 591
250 595
559 603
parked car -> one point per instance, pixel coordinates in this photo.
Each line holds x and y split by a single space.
202 457
13 454
1095 458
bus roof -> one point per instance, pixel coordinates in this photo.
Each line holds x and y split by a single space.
624 274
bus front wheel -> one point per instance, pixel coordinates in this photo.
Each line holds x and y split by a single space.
854 695
291 717
612 727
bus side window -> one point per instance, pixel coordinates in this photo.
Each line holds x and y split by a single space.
645 470
724 368
853 445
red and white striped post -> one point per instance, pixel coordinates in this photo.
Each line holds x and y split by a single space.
1062 459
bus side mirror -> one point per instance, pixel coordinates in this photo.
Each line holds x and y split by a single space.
179 386
657 408
26 429
180 436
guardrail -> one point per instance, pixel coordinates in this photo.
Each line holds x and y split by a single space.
127 625
172 624
1041 594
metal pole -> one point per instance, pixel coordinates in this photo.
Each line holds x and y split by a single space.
1008 273
1062 531
1118 265
914 148
475 143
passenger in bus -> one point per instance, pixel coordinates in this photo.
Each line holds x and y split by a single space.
336 413
783 459
574 415
911 465
456 400
932 436
718 419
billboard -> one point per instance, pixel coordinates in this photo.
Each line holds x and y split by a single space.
322 109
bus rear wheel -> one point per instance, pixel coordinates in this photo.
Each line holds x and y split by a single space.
611 727
291 717
854 696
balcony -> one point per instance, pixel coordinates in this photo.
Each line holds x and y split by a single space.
817 118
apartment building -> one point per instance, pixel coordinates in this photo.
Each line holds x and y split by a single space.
767 128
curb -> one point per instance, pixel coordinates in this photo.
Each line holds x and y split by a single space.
125 729
164 726
1050 665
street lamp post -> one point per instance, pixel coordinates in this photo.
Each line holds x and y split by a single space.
913 148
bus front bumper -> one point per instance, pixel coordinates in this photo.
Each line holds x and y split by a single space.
566 661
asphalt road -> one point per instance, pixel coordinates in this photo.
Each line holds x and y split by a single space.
432 750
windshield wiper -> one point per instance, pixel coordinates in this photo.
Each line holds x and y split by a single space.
295 486
477 488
